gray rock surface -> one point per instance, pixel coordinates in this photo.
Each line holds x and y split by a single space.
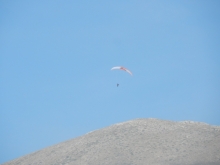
135 142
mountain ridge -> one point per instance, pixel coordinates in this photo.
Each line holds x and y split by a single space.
139 141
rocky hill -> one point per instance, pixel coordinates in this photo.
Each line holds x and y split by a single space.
135 142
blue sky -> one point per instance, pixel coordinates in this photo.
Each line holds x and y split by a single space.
56 56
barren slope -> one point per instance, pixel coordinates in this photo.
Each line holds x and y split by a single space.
136 142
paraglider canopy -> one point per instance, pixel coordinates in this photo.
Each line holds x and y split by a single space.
122 68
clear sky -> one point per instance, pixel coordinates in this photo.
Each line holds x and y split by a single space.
56 56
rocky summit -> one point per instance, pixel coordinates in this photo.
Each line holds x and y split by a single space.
135 142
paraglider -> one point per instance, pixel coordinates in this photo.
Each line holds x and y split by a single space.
122 68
